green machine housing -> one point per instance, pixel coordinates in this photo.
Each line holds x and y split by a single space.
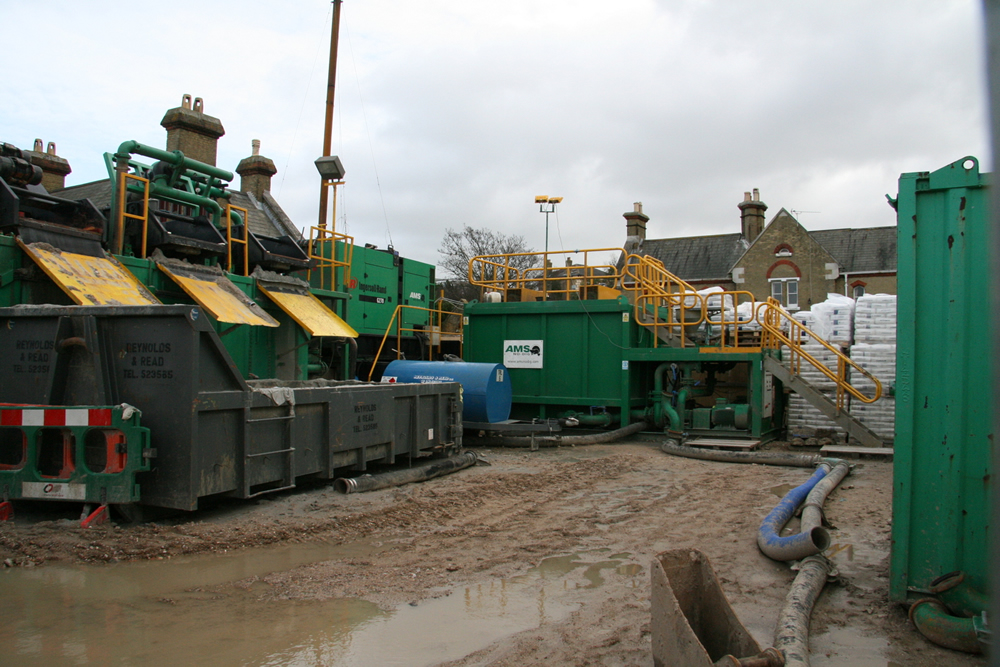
595 363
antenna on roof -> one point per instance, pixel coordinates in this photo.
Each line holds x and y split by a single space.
796 212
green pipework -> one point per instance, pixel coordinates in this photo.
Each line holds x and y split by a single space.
604 419
662 408
176 158
961 598
935 623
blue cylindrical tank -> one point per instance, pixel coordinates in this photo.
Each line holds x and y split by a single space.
486 388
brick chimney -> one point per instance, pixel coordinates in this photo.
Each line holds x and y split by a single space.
635 221
752 215
256 172
54 168
191 131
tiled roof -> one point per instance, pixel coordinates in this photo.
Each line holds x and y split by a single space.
698 257
260 223
266 218
860 250
98 192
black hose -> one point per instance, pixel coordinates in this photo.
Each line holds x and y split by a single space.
763 458
558 440
400 477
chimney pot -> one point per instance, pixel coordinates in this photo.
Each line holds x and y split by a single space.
193 132
751 215
635 221
256 172
54 168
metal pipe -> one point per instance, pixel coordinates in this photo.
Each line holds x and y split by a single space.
400 477
791 636
562 441
793 547
960 598
762 458
662 407
600 420
769 657
176 158
331 86
935 623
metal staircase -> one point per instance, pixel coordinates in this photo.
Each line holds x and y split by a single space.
784 332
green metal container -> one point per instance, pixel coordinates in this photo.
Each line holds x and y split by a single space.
944 392
561 355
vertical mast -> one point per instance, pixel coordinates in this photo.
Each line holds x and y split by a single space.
331 82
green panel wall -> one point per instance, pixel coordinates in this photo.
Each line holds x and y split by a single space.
584 345
944 396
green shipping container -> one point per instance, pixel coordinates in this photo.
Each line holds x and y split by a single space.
944 387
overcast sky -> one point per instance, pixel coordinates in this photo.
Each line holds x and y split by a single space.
453 112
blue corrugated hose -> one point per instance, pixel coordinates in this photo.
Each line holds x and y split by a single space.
786 548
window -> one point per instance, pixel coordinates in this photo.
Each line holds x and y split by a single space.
793 294
859 291
786 291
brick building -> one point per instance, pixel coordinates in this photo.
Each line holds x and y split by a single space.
780 259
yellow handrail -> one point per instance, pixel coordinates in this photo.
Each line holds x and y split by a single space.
144 218
326 260
397 319
662 300
774 319
509 271
245 241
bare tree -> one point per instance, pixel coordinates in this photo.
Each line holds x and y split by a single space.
458 247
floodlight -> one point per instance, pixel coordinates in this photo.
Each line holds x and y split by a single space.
542 199
330 168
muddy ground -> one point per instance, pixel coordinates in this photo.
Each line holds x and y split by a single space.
619 504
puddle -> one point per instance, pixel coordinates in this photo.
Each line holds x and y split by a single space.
181 612
782 489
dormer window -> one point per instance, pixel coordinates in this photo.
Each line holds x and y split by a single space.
783 250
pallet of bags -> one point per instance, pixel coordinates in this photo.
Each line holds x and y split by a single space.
834 319
879 359
804 418
875 319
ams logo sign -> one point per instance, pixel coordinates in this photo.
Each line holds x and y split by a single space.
523 353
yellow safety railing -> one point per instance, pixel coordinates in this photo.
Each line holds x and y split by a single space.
536 279
122 201
435 332
322 249
783 330
662 300
245 241
730 324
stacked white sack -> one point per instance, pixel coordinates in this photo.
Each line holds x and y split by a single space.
875 329
875 319
835 319
801 414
